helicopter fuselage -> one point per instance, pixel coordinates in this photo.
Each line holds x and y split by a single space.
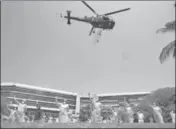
102 22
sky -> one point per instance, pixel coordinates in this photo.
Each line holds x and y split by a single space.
40 49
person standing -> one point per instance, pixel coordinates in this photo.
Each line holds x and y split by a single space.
50 120
12 116
172 113
38 113
64 109
22 108
118 117
130 113
57 120
157 113
140 117
96 111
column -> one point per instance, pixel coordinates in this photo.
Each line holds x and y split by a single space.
77 103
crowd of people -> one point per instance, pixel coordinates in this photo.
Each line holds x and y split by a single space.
22 115
126 114
65 115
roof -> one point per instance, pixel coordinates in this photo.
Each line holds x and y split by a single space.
125 93
71 93
37 101
38 88
117 94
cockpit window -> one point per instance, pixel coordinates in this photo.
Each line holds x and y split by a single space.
105 18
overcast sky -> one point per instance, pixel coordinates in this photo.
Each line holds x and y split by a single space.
37 48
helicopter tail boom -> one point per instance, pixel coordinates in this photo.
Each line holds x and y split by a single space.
68 17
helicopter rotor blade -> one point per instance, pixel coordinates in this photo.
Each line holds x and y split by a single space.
122 10
90 7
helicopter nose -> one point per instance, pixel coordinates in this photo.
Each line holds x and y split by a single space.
113 24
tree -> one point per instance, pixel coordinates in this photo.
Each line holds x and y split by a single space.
164 97
85 112
123 116
106 112
170 48
167 51
146 109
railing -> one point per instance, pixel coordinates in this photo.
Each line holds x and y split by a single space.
38 101
112 102
47 93
33 107
36 95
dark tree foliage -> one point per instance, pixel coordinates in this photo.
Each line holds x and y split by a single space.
85 112
145 108
124 116
170 48
106 112
164 97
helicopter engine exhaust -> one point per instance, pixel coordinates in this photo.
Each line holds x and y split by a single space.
68 16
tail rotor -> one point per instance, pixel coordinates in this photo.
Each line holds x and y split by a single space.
60 16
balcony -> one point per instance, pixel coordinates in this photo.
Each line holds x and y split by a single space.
31 91
44 104
36 97
34 108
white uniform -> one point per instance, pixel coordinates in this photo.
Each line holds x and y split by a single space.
140 118
64 113
96 111
21 111
50 120
130 111
114 115
22 108
57 120
173 117
158 113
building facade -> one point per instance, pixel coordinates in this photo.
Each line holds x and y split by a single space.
47 97
116 98
122 98
44 96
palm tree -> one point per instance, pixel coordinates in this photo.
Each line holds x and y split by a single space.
167 51
170 48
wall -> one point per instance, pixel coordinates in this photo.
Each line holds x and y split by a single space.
112 99
46 99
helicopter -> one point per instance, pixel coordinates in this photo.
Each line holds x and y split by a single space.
103 22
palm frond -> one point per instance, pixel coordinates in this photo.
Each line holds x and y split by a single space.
169 27
163 30
167 51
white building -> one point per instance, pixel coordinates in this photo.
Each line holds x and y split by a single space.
113 98
45 96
